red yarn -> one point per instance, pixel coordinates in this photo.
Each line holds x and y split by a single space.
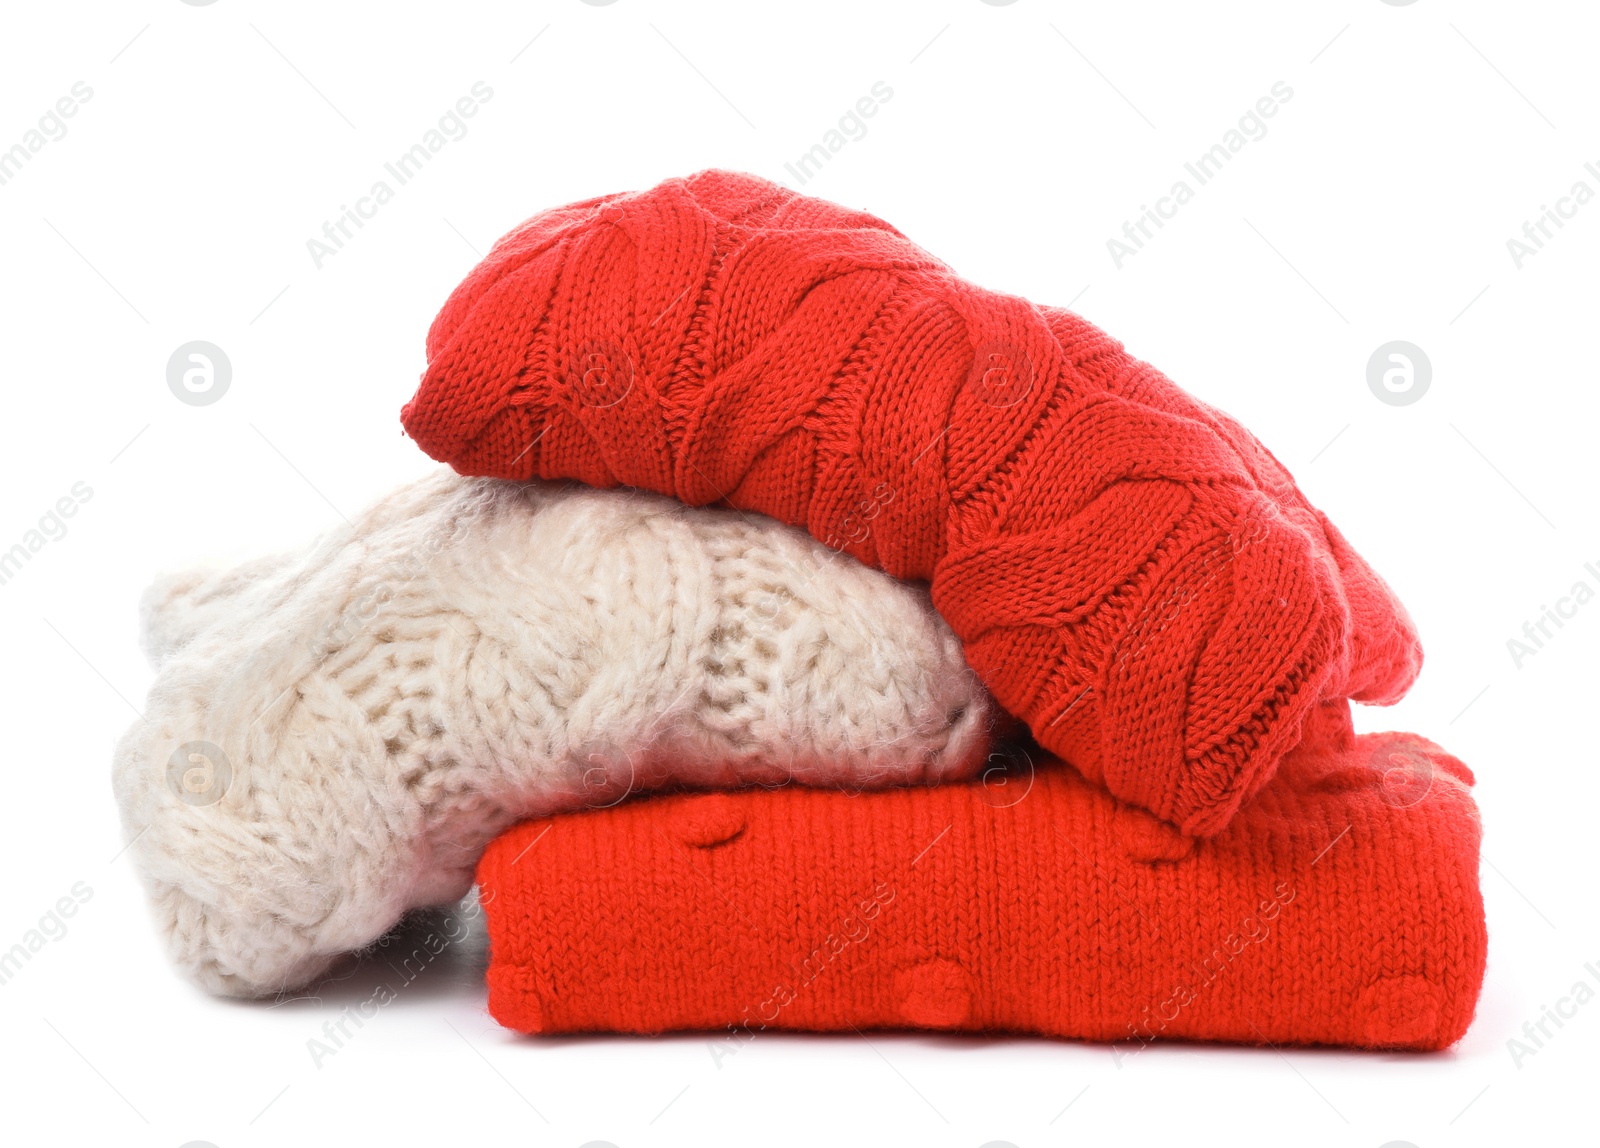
1340 907
1130 572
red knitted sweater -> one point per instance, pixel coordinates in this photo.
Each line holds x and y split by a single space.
1340 907
1130 572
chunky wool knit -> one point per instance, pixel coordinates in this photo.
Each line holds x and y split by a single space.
334 735
1340 907
1129 570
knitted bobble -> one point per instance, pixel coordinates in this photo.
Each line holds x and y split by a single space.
1341 907
1129 571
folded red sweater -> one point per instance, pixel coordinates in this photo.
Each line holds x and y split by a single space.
1130 572
1340 907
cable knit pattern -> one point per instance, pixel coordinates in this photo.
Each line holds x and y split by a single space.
1130 571
1340 907
334 735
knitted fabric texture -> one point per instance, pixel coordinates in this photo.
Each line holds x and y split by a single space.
334 735
1129 570
1340 907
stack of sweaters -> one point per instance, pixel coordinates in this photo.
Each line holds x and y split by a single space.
1061 676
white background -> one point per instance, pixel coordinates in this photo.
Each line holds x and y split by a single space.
1017 141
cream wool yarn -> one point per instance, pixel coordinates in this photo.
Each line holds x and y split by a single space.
334 735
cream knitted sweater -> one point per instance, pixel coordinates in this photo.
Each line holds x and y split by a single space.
334 735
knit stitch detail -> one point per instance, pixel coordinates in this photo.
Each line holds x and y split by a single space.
1129 571
334 735
1340 907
